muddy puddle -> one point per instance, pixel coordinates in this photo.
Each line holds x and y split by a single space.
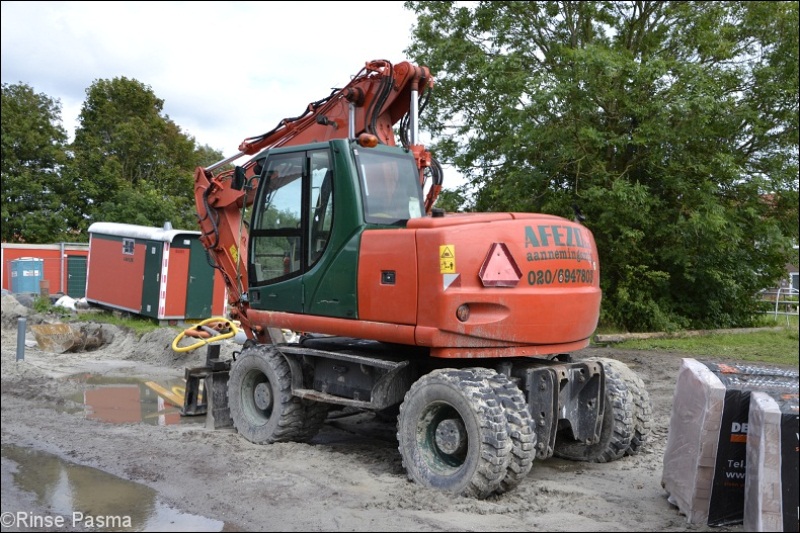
133 400
81 498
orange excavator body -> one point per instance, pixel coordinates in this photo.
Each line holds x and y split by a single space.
461 285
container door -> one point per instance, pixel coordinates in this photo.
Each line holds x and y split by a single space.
200 291
76 276
151 284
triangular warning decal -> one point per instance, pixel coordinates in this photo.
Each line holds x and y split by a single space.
499 268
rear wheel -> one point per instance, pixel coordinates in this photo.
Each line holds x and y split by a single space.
616 432
260 398
642 406
519 425
388 414
452 434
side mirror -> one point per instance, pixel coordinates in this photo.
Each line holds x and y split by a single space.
238 179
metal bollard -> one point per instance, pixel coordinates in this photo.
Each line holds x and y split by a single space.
21 338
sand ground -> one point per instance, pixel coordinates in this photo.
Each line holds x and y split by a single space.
348 478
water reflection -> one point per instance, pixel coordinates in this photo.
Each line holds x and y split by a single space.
131 400
89 498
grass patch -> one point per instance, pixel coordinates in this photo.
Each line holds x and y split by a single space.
771 320
43 305
138 324
779 347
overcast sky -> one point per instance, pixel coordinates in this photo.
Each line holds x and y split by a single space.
225 70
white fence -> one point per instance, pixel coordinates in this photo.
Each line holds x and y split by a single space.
783 301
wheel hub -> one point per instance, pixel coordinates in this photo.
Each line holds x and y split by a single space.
451 436
262 396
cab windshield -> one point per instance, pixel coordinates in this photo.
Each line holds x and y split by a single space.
390 187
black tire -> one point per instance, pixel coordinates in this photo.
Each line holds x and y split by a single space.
452 434
616 433
260 398
315 416
519 425
642 405
388 414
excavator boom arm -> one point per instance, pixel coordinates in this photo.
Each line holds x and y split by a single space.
374 100
378 97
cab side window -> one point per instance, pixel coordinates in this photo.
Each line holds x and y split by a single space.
321 205
277 226
293 216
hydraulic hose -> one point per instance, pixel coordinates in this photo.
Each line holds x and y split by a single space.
225 330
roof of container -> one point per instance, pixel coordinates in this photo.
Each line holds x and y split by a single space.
117 229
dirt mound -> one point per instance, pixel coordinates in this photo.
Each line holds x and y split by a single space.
49 335
12 311
155 348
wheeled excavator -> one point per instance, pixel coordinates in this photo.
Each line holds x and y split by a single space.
459 324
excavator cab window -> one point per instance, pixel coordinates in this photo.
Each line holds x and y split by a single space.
321 211
293 216
390 187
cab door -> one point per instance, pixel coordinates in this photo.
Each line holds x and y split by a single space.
276 259
300 261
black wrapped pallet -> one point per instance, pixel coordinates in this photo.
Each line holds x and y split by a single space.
705 461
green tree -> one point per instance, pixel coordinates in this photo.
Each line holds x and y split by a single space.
132 164
452 200
673 125
206 156
33 153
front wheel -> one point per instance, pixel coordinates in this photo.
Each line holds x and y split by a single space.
617 430
452 434
260 398
642 405
519 425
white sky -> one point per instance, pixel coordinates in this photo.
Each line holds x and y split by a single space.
225 70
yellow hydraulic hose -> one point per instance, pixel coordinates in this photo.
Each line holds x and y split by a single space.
214 335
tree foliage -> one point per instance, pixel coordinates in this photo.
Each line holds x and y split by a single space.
128 163
132 164
673 125
33 155
451 200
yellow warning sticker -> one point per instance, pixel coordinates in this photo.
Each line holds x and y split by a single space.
447 259
234 253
